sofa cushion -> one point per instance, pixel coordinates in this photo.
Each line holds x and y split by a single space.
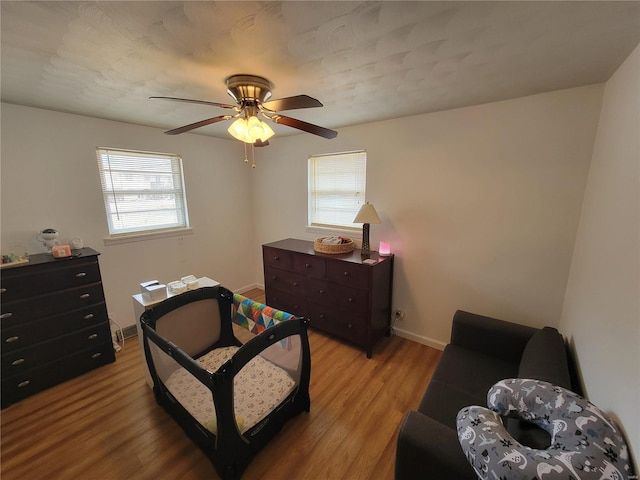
462 378
545 358
442 401
471 371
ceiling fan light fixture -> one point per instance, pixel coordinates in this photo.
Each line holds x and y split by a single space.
250 130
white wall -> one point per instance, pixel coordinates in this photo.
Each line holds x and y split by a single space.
601 314
480 204
50 179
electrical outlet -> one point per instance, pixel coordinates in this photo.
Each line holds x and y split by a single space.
399 315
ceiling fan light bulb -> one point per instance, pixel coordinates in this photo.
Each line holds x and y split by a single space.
238 130
259 130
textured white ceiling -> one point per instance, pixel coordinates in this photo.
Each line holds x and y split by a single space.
365 61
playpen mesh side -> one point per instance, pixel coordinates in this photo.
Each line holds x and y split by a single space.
258 388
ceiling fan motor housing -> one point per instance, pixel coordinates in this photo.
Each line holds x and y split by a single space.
248 89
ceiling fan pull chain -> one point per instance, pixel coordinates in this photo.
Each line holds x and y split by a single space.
246 160
253 155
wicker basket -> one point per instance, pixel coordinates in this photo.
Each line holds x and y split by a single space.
333 249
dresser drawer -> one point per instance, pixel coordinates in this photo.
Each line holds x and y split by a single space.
310 266
19 283
15 313
284 280
29 333
351 327
28 382
349 274
324 292
294 304
277 258
45 352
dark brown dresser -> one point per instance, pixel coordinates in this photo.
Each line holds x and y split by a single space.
340 294
53 323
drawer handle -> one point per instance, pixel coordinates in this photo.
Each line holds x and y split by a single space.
274 277
350 326
81 274
12 339
306 265
88 316
321 315
295 284
85 295
93 336
17 362
6 315
276 257
321 291
96 355
350 300
346 274
24 384
3 290
296 307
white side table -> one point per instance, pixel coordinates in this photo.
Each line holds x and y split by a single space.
140 305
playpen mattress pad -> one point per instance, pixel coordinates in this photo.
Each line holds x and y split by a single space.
258 389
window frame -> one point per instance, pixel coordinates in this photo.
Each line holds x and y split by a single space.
357 189
176 189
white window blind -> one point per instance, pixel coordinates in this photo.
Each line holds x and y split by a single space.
143 191
337 184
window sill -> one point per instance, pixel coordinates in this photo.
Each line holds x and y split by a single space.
141 237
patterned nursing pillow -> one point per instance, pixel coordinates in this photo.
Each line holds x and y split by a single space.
585 443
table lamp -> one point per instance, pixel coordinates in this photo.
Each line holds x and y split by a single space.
366 216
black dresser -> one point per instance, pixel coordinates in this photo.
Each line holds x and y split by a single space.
53 323
340 294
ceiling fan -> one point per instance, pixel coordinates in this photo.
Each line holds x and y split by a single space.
251 94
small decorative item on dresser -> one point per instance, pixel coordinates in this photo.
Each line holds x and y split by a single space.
333 245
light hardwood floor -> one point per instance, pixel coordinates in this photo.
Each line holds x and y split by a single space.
106 424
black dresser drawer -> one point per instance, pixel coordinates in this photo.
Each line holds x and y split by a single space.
294 304
19 282
22 311
32 381
49 351
351 327
277 258
285 280
25 334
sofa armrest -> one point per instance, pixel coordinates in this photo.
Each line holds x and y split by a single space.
490 336
428 449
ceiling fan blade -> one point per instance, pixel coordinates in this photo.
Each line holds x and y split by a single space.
292 103
202 102
307 127
199 124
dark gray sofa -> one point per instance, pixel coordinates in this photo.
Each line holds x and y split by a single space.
482 351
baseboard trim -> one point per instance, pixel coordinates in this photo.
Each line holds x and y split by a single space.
429 342
246 288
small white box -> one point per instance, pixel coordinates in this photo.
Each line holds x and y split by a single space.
177 287
145 285
154 293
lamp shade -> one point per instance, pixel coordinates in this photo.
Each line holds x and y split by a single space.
367 214
250 130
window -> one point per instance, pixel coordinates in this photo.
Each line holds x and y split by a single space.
337 184
143 191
